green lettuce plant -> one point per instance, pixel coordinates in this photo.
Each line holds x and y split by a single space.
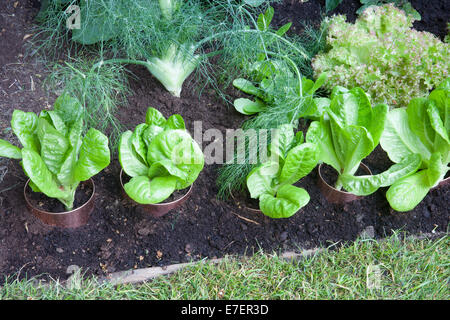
384 55
422 129
348 132
160 157
55 154
272 182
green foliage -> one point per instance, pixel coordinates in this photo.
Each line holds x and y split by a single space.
98 22
9 150
383 55
55 155
140 32
262 48
254 3
276 77
101 92
46 6
422 129
286 106
169 7
272 181
173 49
277 82
368 184
347 133
282 94
447 37
50 34
159 35
350 131
160 156
330 5
167 37
173 68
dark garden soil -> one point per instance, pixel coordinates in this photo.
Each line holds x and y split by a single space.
120 236
42 202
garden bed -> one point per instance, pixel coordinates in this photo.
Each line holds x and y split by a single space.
119 236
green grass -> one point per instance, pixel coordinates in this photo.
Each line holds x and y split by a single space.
409 269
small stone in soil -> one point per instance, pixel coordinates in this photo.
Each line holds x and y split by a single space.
72 268
368 233
359 218
144 232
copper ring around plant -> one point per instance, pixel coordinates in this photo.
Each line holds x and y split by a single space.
67 219
239 204
337 196
158 209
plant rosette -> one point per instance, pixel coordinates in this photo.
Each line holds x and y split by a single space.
55 155
382 54
422 130
349 134
160 157
272 182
